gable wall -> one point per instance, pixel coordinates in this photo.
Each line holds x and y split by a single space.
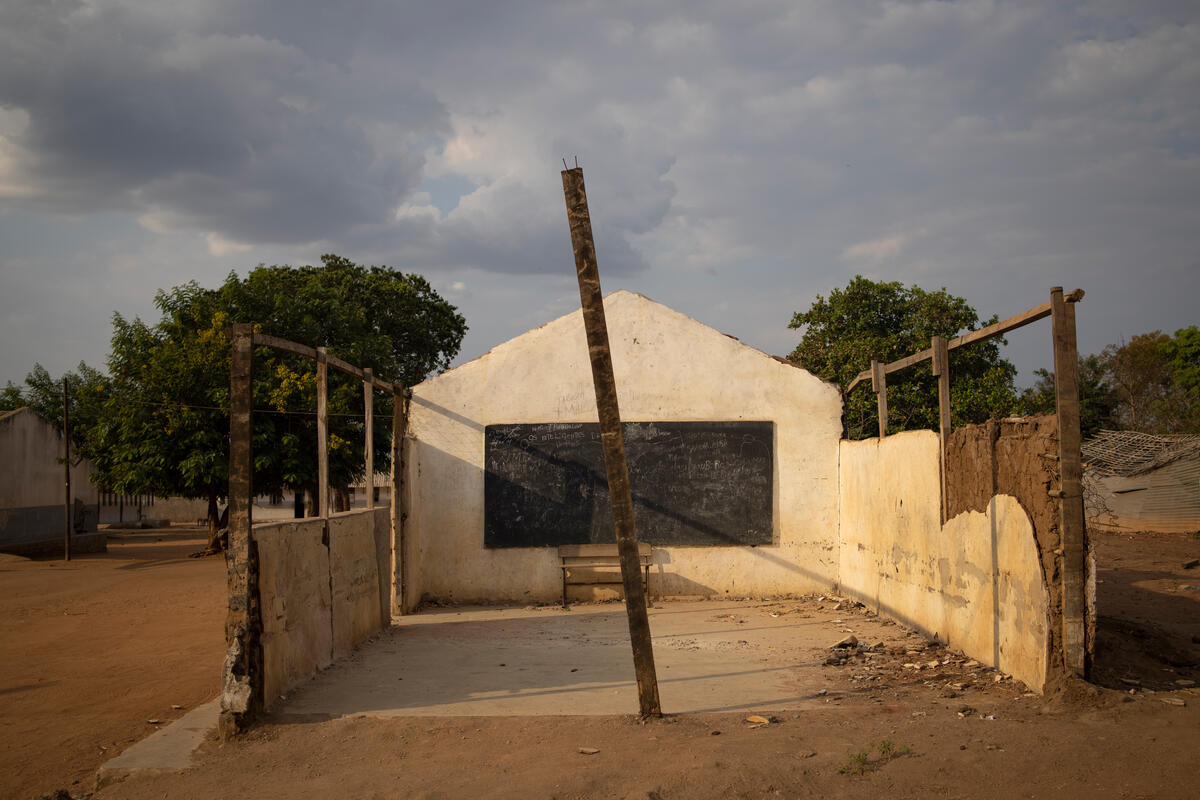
668 368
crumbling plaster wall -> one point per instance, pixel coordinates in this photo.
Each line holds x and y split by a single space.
1019 457
974 583
320 596
668 367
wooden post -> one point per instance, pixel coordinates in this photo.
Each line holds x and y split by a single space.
1070 465
398 509
322 434
941 371
615 466
879 385
241 675
369 426
66 476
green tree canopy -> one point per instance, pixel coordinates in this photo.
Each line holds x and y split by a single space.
44 394
1098 398
1157 378
886 321
166 422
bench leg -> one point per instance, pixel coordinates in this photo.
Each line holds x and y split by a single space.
646 586
564 572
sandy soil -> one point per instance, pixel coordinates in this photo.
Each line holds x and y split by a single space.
908 719
95 647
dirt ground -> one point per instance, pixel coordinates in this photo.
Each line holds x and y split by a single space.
903 718
92 649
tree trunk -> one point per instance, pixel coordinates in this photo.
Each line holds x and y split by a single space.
215 543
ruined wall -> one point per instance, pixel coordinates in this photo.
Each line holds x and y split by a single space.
319 597
668 367
1017 457
974 583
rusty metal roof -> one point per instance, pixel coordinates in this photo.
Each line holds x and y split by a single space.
1128 453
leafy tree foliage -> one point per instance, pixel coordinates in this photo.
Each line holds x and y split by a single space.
887 321
1182 354
1140 374
165 423
1158 381
44 394
1098 398
1150 383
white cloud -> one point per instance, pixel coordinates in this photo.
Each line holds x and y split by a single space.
876 250
219 246
766 150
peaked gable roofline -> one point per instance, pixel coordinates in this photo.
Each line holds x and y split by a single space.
620 295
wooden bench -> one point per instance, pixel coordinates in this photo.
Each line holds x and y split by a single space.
593 564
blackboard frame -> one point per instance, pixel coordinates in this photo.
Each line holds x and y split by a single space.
703 483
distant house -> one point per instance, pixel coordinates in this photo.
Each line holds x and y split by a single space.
32 490
1139 481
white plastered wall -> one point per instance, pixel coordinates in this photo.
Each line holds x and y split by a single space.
974 583
668 368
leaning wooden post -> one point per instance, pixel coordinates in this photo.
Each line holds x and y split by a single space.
369 427
399 556
1070 466
941 371
241 675
879 386
66 476
322 435
610 435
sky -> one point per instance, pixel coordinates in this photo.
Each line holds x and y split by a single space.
740 158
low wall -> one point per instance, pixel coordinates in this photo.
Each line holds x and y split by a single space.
53 547
974 583
29 530
320 595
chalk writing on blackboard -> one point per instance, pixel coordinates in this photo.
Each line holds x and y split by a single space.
694 483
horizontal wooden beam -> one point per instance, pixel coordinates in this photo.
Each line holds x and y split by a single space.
266 340
991 331
288 346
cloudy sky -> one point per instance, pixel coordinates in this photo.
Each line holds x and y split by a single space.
741 158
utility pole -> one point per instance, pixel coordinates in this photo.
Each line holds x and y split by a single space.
66 477
610 435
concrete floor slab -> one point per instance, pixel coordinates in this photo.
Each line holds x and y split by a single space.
168 748
710 656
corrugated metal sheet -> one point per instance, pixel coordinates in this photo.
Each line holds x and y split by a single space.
1164 499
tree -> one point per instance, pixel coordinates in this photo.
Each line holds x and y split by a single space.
1098 398
1182 355
1140 374
887 321
166 418
1157 379
44 395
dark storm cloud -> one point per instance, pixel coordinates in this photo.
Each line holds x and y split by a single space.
239 134
740 158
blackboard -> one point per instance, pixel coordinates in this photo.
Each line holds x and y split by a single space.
694 483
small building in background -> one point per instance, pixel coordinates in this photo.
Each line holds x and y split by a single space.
1141 481
32 490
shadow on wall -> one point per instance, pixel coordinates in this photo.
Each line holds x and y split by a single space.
449 560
